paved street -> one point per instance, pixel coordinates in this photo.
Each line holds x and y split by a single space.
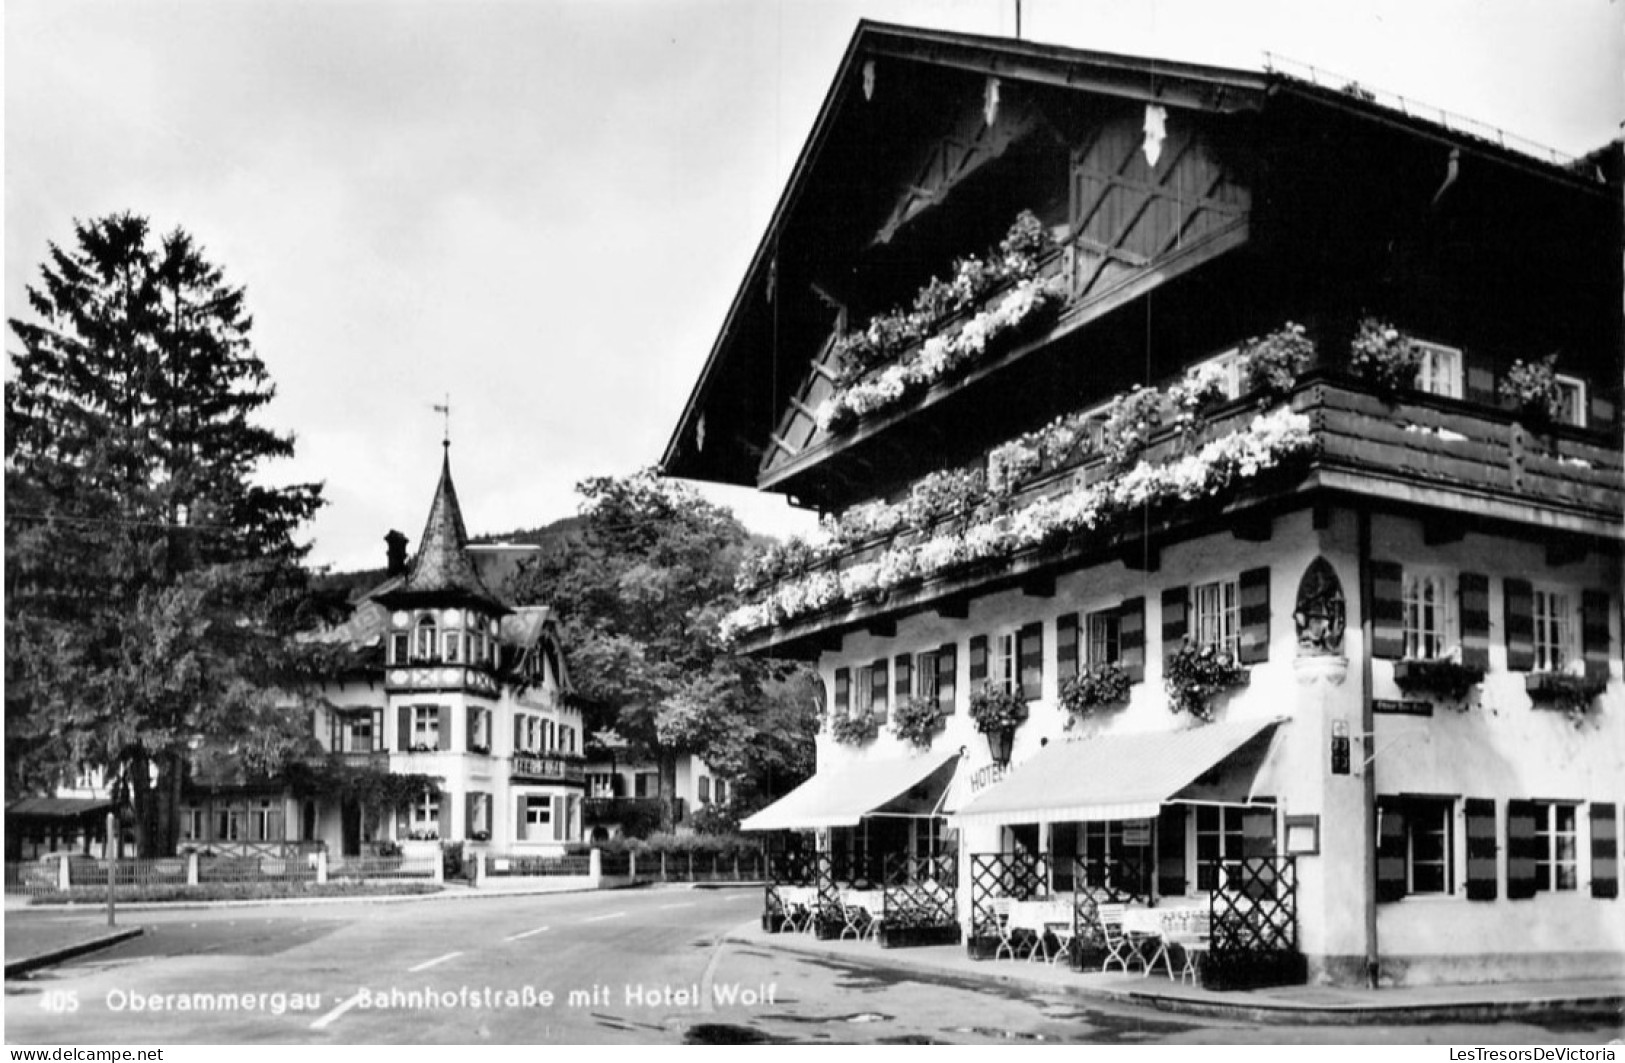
636 967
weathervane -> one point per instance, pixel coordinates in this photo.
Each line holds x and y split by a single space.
446 410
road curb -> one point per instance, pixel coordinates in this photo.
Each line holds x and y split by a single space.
1272 1012
16 968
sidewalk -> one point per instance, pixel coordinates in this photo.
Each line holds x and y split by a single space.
35 943
1299 1005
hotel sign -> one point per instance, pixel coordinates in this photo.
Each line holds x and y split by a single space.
549 769
985 776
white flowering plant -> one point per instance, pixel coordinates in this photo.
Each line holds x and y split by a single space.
1384 357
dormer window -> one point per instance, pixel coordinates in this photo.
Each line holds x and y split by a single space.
426 649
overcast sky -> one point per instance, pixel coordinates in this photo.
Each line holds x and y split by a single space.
543 209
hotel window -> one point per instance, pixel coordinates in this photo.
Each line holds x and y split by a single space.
452 644
1116 854
538 818
426 648
1219 840
1004 663
1214 616
426 726
1554 630
1440 372
1571 408
1557 854
1413 846
400 644
1428 615
865 699
925 674
358 736
1103 643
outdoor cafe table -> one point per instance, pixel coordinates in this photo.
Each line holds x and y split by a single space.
1041 917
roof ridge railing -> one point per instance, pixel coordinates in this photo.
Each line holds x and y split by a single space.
1456 123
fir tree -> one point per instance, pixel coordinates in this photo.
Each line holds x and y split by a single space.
153 579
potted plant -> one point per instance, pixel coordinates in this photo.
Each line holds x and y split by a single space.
1195 675
854 730
1444 676
1571 693
994 708
1092 689
1531 388
915 720
1272 364
1384 357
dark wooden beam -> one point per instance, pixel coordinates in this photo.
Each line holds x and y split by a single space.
1565 551
1139 555
1436 531
954 609
883 629
1253 527
1039 586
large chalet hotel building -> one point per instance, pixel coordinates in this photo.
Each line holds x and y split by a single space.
1220 471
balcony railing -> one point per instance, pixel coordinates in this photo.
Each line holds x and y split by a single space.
552 767
1421 450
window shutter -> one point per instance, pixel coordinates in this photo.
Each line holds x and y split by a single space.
1523 846
877 690
445 815
518 732
471 815
443 714
404 721
1520 629
1387 610
947 672
1171 851
558 819
843 692
1254 589
1175 601
1066 647
903 676
1604 851
471 738
1594 634
1480 849
1474 592
978 661
520 827
1131 638
1030 658
1390 852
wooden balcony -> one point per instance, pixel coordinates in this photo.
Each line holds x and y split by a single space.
1478 466
548 767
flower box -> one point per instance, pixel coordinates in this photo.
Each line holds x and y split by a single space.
1572 694
1441 676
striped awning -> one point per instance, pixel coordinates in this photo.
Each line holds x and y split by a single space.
1122 776
843 794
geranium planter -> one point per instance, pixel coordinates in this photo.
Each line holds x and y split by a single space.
1445 678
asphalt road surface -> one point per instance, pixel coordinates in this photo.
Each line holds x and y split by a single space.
628 967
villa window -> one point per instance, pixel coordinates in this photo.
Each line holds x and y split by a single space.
265 822
1554 630
705 789
925 674
452 644
1440 372
425 727
426 641
1557 859
192 824
1215 615
721 790
1227 366
400 647
426 814
865 690
1004 663
358 734
228 825
1428 615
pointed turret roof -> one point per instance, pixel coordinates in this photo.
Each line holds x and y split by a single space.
442 570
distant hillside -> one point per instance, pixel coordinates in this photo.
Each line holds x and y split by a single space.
548 535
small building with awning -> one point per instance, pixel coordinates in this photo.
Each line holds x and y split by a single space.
39 825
